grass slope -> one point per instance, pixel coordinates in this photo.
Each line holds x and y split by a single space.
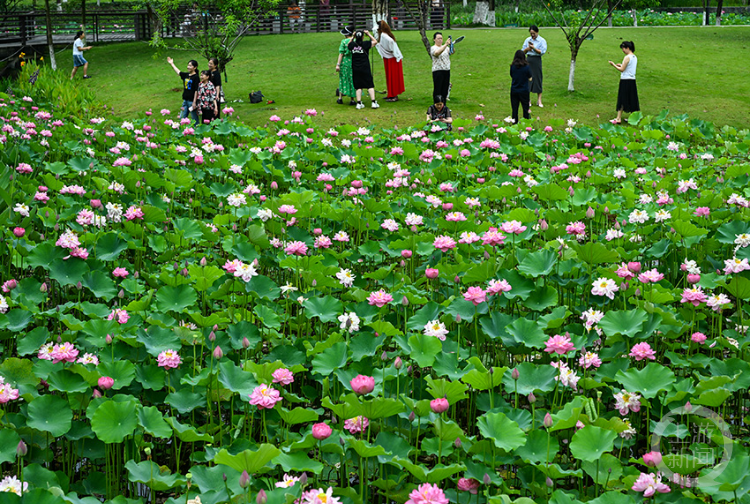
698 71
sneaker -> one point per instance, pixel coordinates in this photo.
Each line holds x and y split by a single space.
86 76
374 105
340 101
352 102
360 105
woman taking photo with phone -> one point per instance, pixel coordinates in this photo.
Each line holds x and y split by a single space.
627 95
535 47
441 68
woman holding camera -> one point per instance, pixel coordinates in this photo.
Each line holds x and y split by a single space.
361 72
535 47
627 95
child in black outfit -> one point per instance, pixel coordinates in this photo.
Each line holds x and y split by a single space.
520 74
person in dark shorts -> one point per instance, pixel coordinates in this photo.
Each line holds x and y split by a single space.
520 74
361 72
189 87
78 59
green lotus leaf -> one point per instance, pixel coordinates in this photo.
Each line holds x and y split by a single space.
150 474
109 246
68 272
596 253
152 421
236 379
121 371
249 460
49 413
538 263
590 443
424 349
114 421
625 322
298 461
9 440
536 449
100 285
185 401
365 449
524 332
297 415
331 359
606 468
504 432
175 298
531 378
648 381
65 381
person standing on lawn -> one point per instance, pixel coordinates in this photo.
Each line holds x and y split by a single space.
78 59
344 68
190 82
213 67
441 68
627 95
392 59
361 72
535 47
206 100
520 75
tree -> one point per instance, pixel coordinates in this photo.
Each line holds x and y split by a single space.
420 18
578 29
215 27
381 11
50 44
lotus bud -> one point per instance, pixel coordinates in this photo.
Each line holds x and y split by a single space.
411 416
456 279
693 278
458 318
303 479
121 294
22 449
79 286
342 442
244 480
457 443
43 288
405 301
515 374
212 336
548 420
105 382
262 498
398 363
590 213
531 398
486 479
108 339
218 353
588 174
96 393
406 254
176 266
402 263
486 255
314 283
688 407
203 261
274 185
245 343
550 483
384 356
606 209
543 225
136 274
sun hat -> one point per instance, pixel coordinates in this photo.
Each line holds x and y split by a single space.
347 31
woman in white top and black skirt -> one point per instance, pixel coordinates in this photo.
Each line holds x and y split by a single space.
627 96
535 47
441 68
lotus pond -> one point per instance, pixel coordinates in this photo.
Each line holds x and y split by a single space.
535 313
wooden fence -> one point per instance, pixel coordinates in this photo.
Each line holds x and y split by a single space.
29 28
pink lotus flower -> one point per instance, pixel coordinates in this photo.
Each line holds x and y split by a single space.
652 459
283 376
702 211
296 248
496 287
492 237
7 394
642 351
134 212
649 484
264 397
120 272
698 337
427 494
444 243
287 209
379 298
431 273
652 276
589 359
362 385
168 359
476 295
575 228
120 315
321 431
19 232
468 485
356 424
695 295
105 382
559 344
64 353
512 227
439 405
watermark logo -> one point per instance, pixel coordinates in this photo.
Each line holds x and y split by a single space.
692 438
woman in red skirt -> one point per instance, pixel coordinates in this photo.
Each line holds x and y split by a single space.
392 59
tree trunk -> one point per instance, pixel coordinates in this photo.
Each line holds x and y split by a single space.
518 5
83 14
466 3
380 12
706 4
572 74
634 12
50 45
609 9
719 6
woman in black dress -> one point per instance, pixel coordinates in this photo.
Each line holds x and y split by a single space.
361 73
627 95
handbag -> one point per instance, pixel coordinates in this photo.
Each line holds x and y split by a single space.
222 98
256 97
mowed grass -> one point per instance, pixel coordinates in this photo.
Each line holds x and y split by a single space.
701 71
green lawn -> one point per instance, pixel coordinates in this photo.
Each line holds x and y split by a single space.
698 71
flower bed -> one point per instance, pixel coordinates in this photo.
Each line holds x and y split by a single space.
499 314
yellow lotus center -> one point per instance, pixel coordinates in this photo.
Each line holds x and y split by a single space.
323 498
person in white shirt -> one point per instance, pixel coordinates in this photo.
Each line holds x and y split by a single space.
78 59
535 47
392 59
627 95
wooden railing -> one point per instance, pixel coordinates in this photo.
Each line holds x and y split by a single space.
29 28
